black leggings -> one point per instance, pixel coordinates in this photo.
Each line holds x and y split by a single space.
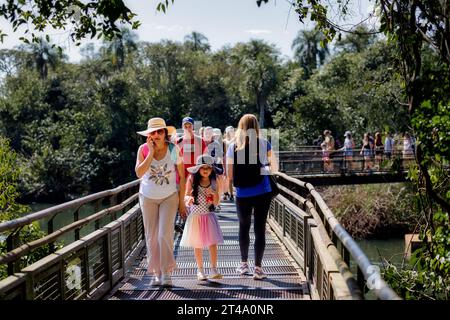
260 204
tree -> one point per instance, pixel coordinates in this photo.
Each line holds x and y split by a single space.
310 50
197 41
43 55
358 40
11 61
260 67
120 46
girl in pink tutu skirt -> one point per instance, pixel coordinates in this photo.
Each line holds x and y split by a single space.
202 229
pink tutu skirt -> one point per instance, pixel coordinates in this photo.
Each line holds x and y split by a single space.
201 231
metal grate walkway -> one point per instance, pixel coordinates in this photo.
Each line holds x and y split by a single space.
285 280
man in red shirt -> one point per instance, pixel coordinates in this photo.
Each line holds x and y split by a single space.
190 144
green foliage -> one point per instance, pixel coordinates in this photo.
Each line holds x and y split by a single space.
84 18
354 91
77 127
9 174
11 209
427 275
412 26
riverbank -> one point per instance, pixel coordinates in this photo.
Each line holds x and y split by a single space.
375 211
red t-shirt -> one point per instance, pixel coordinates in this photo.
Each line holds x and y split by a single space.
190 149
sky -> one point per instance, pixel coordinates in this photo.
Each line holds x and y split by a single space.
223 22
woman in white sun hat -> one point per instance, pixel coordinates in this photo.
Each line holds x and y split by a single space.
158 166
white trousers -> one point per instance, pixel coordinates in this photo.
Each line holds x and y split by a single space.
159 218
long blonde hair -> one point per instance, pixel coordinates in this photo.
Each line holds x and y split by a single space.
248 129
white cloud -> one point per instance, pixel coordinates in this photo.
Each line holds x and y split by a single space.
258 31
172 28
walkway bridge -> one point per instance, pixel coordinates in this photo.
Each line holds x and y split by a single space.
308 254
307 164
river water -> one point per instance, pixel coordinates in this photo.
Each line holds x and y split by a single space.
65 218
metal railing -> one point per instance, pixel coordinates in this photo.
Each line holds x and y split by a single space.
321 246
86 268
339 162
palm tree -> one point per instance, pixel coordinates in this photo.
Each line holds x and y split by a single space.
260 67
357 41
308 50
120 46
197 41
43 56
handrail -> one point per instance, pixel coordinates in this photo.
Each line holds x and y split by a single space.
382 290
20 222
27 247
370 272
85 269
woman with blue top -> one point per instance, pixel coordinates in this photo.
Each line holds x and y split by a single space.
248 167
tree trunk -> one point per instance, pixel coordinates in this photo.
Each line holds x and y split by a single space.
261 104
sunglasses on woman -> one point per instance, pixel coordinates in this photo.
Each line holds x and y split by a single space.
159 131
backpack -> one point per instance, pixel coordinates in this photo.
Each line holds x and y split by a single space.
246 174
173 157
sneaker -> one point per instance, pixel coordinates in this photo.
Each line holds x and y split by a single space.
243 268
215 274
166 280
201 276
156 281
259 274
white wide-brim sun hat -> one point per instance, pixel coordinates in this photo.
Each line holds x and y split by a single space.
202 160
153 125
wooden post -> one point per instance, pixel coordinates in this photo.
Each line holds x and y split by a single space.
86 270
412 243
113 202
97 209
76 217
345 255
11 243
360 280
50 229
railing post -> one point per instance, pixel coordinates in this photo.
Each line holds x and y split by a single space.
76 217
86 270
113 202
109 258
310 275
306 246
11 243
97 209
50 229
345 254
360 280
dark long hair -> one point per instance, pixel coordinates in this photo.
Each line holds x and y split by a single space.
196 183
